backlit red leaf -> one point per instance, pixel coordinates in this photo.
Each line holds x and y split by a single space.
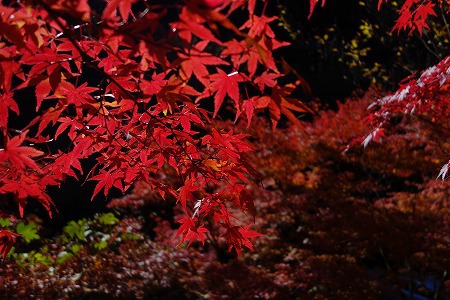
224 84
20 156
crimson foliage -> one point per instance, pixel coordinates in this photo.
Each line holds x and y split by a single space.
124 84
424 97
339 222
355 224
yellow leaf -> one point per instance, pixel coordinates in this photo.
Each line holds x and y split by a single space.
212 163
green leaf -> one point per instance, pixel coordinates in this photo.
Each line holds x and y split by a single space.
100 245
4 222
76 229
11 252
76 248
28 231
130 236
63 256
107 219
42 259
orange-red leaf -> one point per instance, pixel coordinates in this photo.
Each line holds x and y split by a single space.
7 240
20 156
225 84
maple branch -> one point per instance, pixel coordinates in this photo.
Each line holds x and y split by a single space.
444 19
85 57
427 47
265 7
89 60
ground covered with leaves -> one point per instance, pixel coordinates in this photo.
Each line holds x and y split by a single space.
338 223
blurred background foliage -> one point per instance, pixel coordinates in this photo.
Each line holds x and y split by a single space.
349 45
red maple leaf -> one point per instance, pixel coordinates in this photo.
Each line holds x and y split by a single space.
196 62
238 236
190 232
123 6
185 193
259 26
266 79
235 50
7 103
20 156
153 86
225 84
28 186
106 180
312 6
190 24
8 69
7 240
253 103
421 15
43 89
79 96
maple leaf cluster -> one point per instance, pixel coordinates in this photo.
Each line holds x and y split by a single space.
126 85
426 99
413 14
